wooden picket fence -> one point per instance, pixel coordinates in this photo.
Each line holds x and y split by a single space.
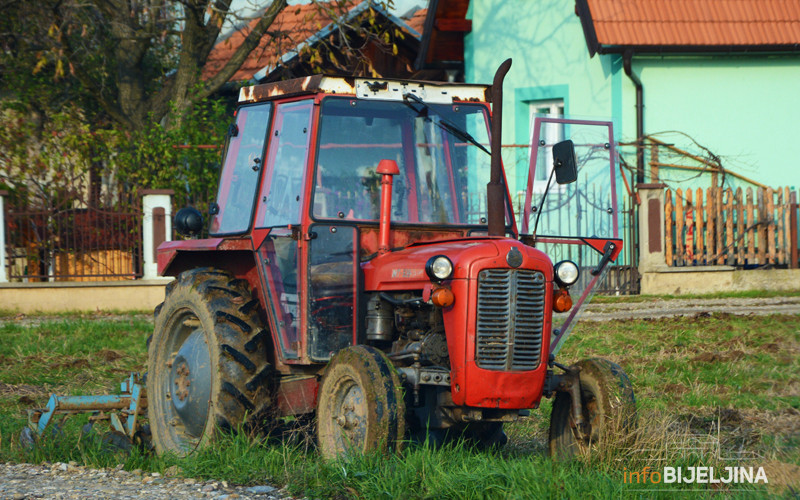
719 226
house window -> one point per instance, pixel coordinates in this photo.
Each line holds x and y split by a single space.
550 133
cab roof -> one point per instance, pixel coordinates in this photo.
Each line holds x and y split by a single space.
367 88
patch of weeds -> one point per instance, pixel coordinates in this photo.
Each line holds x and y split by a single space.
57 354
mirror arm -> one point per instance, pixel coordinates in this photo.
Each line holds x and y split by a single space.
608 251
541 203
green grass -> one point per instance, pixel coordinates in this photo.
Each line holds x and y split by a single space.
742 362
77 353
690 376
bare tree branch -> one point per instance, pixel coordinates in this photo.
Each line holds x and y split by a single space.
250 43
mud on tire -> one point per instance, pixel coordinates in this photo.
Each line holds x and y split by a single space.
361 407
207 361
609 410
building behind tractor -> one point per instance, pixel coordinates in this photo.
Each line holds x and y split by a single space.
360 270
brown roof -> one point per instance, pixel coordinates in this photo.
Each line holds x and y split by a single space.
294 25
417 21
665 25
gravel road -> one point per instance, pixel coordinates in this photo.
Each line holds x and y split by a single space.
60 480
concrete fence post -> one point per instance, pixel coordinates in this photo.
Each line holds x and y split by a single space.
3 263
651 227
156 226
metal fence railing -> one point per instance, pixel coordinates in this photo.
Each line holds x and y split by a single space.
73 242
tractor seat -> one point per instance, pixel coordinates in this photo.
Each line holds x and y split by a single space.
332 274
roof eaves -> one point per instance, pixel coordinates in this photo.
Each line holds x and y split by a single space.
427 31
697 49
398 21
584 13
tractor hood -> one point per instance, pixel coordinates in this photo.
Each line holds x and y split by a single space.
405 269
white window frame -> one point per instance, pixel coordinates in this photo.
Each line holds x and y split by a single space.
550 108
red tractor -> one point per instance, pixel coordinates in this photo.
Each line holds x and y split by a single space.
360 271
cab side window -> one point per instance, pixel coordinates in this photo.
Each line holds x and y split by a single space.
288 153
243 163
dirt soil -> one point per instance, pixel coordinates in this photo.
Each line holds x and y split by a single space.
655 308
661 308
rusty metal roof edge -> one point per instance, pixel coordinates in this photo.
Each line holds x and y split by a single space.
333 84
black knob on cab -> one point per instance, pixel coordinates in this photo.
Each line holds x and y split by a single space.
189 221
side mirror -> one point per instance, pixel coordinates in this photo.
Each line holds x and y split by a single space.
189 222
564 162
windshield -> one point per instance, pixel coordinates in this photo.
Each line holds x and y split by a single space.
439 149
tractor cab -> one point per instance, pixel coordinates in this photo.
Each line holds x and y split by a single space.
363 266
300 180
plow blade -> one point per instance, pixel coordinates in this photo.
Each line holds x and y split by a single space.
123 411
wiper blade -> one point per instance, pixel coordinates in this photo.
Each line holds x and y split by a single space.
461 134
444 123
411 97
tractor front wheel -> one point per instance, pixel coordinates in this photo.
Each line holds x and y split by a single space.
207 361
608 411
361 406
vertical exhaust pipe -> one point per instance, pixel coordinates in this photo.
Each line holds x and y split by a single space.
495 190
387 169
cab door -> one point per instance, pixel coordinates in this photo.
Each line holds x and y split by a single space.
310 274
333 275
279 210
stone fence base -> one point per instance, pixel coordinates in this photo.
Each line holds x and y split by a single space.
140 295
713 279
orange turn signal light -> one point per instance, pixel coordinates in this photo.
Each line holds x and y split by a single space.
562 302
443 297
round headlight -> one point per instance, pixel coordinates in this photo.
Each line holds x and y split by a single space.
567 273
439 268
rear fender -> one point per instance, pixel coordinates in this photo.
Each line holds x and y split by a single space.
234 256
175 257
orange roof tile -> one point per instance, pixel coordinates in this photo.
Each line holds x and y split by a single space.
294 25
613 25
417 21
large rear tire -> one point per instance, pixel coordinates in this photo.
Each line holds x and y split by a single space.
608 410
361 407
207 360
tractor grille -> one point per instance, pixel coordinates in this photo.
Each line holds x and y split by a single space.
510 319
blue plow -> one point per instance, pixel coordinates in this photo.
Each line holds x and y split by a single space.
123 411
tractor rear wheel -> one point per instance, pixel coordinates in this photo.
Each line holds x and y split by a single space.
361 407
207 361
608 406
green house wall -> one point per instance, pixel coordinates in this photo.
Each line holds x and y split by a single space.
743 108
